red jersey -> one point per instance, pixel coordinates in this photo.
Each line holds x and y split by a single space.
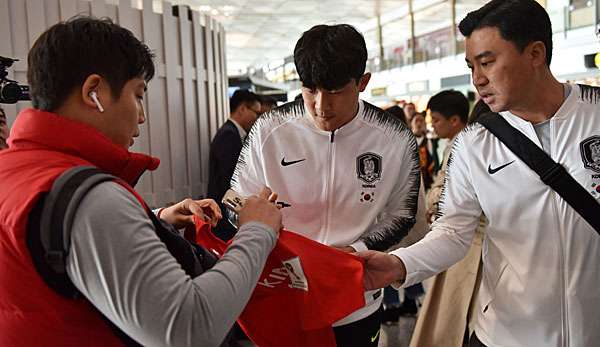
304 288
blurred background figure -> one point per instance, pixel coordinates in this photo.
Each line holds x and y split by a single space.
479 108
425 147
267 103
409 111
225 149
397 112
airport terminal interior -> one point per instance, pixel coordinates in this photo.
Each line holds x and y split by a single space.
208 53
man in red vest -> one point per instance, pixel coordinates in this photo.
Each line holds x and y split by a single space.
88 79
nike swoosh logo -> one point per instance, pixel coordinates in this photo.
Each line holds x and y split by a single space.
493 171
376 335
287 163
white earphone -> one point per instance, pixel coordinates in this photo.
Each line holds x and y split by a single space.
94 97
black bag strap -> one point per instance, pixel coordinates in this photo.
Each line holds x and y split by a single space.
59 210
49 234
551 173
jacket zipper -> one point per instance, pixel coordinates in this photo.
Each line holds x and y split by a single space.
329 185
563 269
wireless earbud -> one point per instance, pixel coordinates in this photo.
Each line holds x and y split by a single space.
94 97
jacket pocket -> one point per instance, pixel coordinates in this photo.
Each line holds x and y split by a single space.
489 285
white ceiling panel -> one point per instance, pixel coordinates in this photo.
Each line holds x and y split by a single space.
265 31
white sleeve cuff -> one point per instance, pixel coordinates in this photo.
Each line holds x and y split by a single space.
411 274
359 246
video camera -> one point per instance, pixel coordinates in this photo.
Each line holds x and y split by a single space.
11 91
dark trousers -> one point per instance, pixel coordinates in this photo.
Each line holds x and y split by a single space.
390 297
362 333
474 342
414 291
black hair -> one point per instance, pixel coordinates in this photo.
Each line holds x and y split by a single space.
479 108
69 52
450 103
397 112
519 21
329 56
268 100
242 96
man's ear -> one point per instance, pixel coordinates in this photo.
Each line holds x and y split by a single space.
93 83
537 53
364 80
455 121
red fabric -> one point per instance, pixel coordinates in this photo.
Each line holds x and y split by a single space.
279 314
42 146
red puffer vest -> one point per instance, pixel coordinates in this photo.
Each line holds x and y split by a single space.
42 146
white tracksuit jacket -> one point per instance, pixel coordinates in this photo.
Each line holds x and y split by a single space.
358 185
541 260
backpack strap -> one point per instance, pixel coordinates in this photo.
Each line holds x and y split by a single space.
59 211
551 173
49 233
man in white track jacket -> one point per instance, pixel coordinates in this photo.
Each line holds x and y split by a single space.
346 172
541 274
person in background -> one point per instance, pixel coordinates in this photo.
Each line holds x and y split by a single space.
267 103
225 149
425 148
409 110
479 109
449 300
397 112
449 111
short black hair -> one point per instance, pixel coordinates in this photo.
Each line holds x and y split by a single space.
329 56
519 21
479 109
397 112
450 103
268 100
242 96
67 53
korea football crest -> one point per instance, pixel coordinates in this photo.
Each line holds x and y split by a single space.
368 167
590 153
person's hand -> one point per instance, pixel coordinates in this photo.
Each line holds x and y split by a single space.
381 269
261 209
181 214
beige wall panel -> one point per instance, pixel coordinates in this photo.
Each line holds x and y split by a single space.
186 101
201 97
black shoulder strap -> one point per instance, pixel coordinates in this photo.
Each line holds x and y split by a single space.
49 234
59 210
49 230
551 173
48 226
